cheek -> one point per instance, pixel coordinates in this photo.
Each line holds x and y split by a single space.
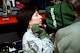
35 22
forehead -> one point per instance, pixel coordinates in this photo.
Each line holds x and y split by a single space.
34 16
36 12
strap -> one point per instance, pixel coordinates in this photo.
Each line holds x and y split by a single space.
61 15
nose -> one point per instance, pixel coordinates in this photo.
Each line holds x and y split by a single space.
40 16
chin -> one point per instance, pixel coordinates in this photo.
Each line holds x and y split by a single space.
40 24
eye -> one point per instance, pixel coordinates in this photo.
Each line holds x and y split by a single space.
37 14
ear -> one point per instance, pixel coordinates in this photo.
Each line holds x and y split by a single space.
30 23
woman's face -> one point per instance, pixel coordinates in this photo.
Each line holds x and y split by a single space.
36 19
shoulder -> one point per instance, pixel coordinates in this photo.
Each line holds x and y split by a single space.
28 34
68 31
69 28
68 37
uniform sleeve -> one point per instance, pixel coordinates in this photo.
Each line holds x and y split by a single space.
26 49
33 44
47 46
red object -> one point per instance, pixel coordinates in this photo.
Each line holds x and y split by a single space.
12 19
43 16
9 19
20 6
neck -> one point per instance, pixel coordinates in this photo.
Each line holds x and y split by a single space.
29 26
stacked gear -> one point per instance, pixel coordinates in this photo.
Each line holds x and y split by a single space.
14 47
58 16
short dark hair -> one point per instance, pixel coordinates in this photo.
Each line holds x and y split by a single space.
24 15
75 5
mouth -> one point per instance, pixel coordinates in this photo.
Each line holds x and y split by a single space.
40 22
